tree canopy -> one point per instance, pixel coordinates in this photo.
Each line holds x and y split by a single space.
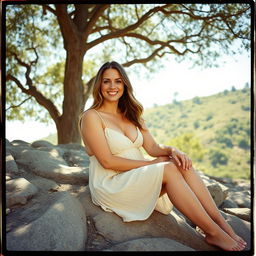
54 51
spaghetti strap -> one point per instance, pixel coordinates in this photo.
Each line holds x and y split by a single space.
101 117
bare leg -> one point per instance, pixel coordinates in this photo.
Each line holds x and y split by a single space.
186 202
197 185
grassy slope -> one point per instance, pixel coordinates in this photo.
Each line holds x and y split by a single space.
205 121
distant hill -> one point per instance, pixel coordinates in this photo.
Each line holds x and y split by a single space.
214 131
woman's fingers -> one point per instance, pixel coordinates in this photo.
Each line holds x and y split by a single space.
186 162
177 160
182 160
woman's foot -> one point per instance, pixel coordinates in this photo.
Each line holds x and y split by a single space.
228 229
224 241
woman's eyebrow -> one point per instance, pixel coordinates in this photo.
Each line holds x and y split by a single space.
106 78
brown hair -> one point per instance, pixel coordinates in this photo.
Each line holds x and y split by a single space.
127 104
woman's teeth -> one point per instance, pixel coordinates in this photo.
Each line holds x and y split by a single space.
112 93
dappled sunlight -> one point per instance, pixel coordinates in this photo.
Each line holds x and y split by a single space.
59 207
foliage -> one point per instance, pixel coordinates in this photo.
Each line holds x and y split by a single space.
189 144
221 128
218 157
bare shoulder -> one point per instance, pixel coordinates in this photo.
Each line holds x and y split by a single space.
89 116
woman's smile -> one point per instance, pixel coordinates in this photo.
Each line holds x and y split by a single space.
112 85
112 93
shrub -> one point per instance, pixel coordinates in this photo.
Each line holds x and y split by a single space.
243 144
196 100
196 124
218 157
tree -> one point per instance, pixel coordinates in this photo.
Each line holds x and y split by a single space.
189 144
149 32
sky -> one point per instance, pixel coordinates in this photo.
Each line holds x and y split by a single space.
174 79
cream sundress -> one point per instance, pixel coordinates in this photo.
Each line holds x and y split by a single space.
134 194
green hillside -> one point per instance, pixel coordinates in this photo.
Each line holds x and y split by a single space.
214 131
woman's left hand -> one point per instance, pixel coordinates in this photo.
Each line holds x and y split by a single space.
181 159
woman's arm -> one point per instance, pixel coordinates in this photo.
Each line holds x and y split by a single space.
153 148
156 150
94 137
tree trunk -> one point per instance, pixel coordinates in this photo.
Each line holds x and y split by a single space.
73 103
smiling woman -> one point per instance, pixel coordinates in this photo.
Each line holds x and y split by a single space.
121 180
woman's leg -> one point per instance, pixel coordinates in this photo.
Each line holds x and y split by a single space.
202 193
185 200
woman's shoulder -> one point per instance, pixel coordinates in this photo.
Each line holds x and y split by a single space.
88 115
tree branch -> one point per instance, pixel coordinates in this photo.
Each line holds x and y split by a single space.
16 106
96 13
48 8
122 32
32 90
144 60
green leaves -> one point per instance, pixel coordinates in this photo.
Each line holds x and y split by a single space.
189 144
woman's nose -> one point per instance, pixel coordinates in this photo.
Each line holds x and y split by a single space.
112 84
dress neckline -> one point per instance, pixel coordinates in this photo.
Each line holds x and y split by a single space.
124 134
106 127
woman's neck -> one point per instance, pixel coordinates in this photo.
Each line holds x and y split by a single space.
110 107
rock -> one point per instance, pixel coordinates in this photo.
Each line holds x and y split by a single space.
16 151
114 230
242 213
241 227
11 166
44 184
53 220
19 191
241 198
20 143
41 143
50 165
62 227
221 179
218 191
76 158
228 203
74 146
7 143
150 244
244 185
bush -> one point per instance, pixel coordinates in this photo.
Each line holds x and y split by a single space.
218 157
224 140
196 100
245 108
243 144
190 145
196 124
209 116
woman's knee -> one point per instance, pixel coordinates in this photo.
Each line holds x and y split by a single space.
170 170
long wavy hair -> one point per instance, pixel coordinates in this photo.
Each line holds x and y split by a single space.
128 104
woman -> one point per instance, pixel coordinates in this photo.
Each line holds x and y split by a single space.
121 180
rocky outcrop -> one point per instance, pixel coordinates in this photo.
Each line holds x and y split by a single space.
49 208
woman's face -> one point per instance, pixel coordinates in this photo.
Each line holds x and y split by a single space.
112 85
